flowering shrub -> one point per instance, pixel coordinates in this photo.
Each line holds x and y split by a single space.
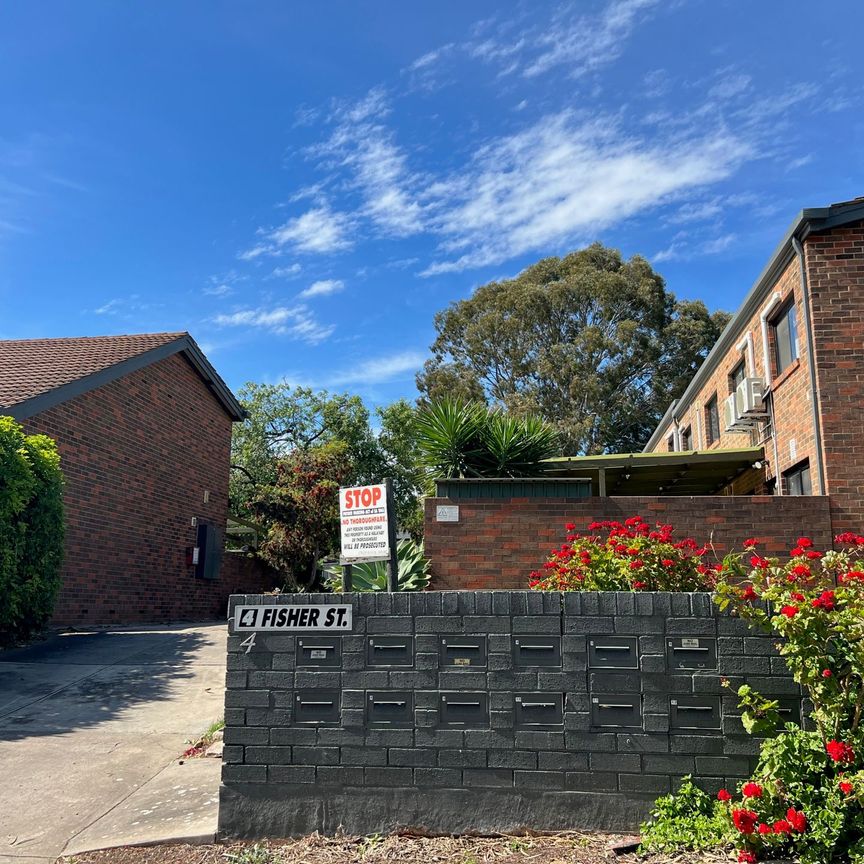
805 799
625 556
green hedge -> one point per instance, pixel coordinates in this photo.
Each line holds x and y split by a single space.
31 530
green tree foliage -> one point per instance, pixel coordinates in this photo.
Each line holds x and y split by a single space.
590 342
31 530
300 509
468 439
284 420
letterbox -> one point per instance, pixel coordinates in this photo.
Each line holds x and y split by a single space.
462 651
316 707
538 709
390 708
390 651
694 712
789 709
616 711
464 709
319 651
691 652
536 651
613 652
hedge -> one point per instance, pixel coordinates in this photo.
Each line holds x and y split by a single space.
31 530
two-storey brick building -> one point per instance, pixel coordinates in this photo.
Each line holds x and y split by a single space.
788 371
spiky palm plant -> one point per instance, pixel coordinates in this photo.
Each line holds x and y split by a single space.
372 575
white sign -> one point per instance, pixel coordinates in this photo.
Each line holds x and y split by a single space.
289 619
363 516
447 513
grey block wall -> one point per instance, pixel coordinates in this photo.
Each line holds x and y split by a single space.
488 711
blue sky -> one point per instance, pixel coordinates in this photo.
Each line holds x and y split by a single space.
303 185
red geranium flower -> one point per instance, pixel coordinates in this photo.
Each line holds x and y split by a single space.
667 562
762 828
846 787
794 553
751 790
812 554
781 826
796 596
745 820
827 673
747 857
789 611
796 819
804 542
570 526
749 593
840 751
724 795
638 586
750 542
824 601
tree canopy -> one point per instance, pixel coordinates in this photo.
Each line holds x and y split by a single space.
591 342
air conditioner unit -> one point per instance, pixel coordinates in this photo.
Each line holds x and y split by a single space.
751 394
731 418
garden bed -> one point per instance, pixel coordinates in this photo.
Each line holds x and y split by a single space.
567 848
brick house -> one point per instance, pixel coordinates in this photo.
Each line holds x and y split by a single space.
143 425
765 440
787 374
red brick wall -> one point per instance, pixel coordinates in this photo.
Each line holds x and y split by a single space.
835 270
496 544
137 455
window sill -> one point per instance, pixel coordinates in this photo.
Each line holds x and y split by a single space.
789 370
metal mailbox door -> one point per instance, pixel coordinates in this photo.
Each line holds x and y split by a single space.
538 709
613 652
462 651
390 708
464 709
694 712
691 652
616 711
323 651
390 651
536 651
789 709
317 707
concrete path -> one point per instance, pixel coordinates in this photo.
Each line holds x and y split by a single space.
91 725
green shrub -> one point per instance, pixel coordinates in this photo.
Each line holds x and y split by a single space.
31 530
372 575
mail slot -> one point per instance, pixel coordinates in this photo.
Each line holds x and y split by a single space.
694 712
464 709
319 651
390 651
390 708
789 711
316 706
619 712
462 651
613 652
691 653
536 651
538 709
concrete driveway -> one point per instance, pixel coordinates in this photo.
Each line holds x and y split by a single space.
91 725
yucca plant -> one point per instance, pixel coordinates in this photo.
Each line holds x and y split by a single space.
372 575
466 439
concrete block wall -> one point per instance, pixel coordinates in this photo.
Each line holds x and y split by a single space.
284 777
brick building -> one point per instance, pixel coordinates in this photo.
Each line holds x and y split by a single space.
773 414
787 374
143 425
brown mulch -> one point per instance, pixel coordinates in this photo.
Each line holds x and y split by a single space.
565 848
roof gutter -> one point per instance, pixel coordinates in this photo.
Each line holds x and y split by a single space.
815 403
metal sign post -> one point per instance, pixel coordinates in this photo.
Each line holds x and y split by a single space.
393 563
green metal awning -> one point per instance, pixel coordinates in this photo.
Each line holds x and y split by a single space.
691 472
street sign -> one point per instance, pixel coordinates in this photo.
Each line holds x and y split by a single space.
364 523
294 619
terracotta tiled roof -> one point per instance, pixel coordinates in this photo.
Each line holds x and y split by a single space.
31 367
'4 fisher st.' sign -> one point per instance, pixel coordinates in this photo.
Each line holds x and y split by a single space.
291 619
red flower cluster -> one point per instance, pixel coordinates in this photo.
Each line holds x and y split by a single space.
840 751
825 600
745 820
850 538
789 611
724 795
751 790
845 787
746 857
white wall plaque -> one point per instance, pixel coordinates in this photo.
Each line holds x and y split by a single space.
447 513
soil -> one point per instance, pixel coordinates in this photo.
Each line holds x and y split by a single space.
568 848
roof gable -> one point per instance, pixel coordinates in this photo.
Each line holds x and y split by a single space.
36 374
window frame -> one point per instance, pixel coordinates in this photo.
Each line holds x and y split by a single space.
796 474
712 420
734 379
687 435
788 315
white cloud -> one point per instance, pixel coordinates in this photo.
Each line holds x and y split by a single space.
222 285
683 248
322 288
402 365
288 272
294 321
561 180
319 230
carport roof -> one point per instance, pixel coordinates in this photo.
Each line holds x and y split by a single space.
691 472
